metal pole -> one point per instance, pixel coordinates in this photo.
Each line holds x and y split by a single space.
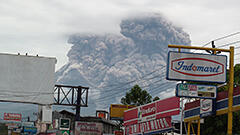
181 122
189 124
79 93
230 91
199 126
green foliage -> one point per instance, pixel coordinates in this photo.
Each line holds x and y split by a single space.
136 96
156 98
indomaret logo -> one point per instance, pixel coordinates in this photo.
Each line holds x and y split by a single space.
197 67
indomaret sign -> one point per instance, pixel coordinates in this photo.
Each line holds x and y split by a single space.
196 67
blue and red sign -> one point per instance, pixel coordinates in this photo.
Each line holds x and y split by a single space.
196 67
192 110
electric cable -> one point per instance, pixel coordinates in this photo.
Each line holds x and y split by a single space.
128 83
108 96
132 81
229 44
230 35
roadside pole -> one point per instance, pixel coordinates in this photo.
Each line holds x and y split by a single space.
198 133
181 99
230 91
189 124
181 122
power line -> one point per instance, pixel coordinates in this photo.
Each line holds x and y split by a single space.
230 35
118 93
128 83
229 44
160 87
237 47
132 81
122 93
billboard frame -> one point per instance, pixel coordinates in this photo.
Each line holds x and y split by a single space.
168 60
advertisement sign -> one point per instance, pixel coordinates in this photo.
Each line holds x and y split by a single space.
196 91
158 109
32 130
64 124
45 112
147 112
12 117
196 67
88 128
192 110
151 118
27 79
117 111
152 127
206 107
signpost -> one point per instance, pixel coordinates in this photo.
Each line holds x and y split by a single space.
196 91
203 68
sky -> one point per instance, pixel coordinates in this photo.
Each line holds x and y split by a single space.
43 26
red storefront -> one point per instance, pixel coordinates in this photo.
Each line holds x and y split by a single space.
151 118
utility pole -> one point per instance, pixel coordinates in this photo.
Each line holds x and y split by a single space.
78 107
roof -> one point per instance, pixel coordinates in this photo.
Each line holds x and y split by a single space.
89 118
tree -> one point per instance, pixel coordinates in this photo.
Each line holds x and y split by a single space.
156 98
136 96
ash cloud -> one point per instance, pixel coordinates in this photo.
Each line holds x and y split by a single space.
111 64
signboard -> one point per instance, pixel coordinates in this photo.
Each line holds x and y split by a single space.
12 117
117 111
206 107
196 91
196 67
32 130
147 112
152 127
45 112
88 128
27 79
158 109
192 109
64 124
151 118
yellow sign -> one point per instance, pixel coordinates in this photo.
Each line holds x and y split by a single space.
117 110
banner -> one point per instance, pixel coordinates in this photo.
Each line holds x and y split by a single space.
153 126
151 118
88 128
12 116
158 109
